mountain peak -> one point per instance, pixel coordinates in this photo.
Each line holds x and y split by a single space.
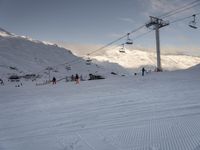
4 32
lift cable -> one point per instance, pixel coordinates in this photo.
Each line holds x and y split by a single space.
181 10
181 19
103 47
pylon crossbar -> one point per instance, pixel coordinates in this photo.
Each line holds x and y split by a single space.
154 21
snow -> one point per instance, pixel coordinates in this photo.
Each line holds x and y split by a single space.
4 33
21 55
159 111
135 59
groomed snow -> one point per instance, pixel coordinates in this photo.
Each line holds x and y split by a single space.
160 111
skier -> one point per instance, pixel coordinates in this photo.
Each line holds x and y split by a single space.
143 70
72 78
54 80
77 79
1 82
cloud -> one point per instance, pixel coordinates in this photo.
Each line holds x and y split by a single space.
160 7
163 5
157 7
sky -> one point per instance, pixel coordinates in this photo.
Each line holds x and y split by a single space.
78 23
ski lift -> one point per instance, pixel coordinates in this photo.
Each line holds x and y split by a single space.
88 61
129 41
122 49
192 23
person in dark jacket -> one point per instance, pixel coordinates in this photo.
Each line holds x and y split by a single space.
72 78
1 82
77 79
54 80
143 70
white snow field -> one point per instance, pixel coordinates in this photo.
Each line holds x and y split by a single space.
134 59
160 111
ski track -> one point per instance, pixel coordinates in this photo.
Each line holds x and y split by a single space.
156 112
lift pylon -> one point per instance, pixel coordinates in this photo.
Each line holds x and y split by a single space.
157 23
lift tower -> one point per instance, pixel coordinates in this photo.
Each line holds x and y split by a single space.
157 24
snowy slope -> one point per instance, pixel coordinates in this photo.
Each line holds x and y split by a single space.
22 55
134 59
28 55
159 111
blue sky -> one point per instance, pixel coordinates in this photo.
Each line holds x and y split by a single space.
96 22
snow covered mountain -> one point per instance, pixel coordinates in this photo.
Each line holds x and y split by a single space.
21 55
135 59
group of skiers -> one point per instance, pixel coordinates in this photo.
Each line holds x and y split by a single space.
75 78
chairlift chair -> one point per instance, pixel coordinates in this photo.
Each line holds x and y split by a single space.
122 49
129 41
192 23
88 61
